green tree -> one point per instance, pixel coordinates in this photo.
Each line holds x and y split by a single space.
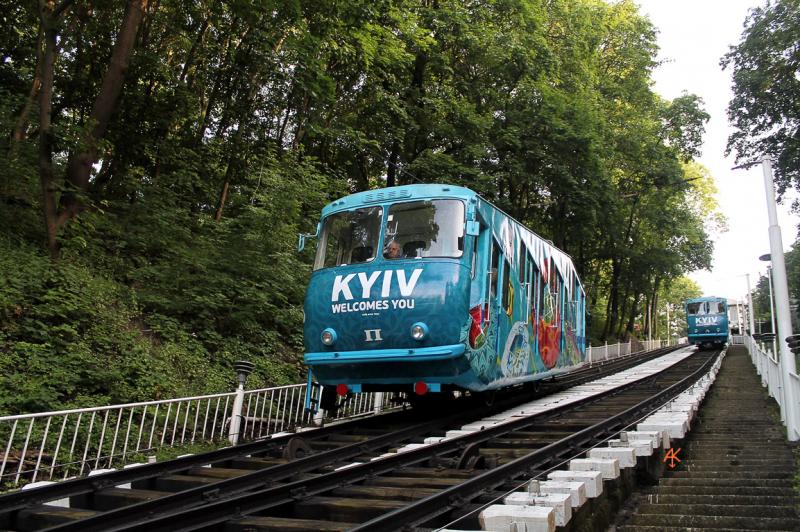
766 90
177 195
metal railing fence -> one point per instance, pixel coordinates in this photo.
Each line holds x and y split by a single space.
61 444
769 368
605 352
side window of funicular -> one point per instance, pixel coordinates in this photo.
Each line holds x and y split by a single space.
508 304
493 273
533 292
349 237
693 308
431 228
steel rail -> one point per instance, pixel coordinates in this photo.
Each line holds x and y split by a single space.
222 507
449 499
28 499
257 479
19 500
260 478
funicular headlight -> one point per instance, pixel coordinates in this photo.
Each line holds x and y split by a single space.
328 336
419 331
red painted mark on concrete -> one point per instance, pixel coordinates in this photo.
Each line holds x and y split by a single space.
672 456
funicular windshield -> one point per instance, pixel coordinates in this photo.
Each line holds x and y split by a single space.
430 228
349 237
701 308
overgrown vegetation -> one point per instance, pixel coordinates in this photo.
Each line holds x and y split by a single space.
162 156
766 90
766 116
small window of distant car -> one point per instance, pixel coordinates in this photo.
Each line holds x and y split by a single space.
349 237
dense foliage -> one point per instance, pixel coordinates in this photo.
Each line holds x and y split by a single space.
763 305
765 111
162 156
766 85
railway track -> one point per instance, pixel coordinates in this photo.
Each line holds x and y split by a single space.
330 479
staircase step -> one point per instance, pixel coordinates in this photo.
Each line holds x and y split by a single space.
706 510
694 466
723 499
713 490
755 522
644 528
744 474
737 470
726 482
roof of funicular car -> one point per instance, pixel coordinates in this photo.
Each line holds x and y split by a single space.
706 298
401 193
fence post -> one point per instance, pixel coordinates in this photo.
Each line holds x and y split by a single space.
243 369
319 416
378 404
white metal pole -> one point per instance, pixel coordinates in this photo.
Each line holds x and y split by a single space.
739 317
751 310
378 406
788 365
236 415
319 416
772 320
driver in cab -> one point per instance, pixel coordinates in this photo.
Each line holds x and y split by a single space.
393 250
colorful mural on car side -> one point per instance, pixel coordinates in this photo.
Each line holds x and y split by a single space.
540 327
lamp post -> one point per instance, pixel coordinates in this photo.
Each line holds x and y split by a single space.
243 369
750 309
772 322
788 365
739 318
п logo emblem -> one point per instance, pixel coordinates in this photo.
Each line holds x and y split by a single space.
373 335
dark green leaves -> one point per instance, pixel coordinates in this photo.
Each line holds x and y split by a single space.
766 84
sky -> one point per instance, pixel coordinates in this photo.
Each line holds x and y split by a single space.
693 36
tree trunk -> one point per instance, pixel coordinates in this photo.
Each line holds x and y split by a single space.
414 99
48 22
613 302
623 311
632 316
234 162
362 175
302 117
391 168
654 303
21 125
224 194
80 164
201 31
212 99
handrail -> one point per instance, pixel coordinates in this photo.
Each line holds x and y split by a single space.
60 444
769 368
